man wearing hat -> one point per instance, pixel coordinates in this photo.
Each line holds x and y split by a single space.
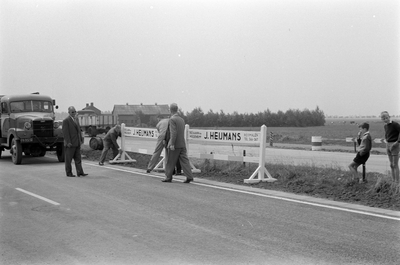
365 144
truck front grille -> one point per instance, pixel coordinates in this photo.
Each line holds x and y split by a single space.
43 128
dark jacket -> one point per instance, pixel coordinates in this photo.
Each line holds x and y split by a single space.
177 132
365 143
111 137
72 132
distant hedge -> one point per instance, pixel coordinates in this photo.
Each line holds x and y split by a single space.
290 118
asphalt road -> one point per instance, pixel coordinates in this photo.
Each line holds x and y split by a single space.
119 216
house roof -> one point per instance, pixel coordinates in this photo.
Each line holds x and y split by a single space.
92 107
145 109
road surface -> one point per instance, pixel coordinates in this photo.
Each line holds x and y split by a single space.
120 215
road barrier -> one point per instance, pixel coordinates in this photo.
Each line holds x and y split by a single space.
207 136
122 156
316 143
235 137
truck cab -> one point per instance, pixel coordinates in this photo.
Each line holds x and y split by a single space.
28 126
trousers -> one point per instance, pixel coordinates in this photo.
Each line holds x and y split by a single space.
179 154
73 153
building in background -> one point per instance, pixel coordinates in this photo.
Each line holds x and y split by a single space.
92 107
140 115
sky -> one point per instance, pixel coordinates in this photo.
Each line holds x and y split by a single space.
231 55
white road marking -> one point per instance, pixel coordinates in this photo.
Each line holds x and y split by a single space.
269 196
304 202
38 196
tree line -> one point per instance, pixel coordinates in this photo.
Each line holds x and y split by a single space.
290 118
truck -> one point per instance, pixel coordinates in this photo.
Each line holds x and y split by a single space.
28 126
94 124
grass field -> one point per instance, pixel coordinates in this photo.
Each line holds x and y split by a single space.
334 132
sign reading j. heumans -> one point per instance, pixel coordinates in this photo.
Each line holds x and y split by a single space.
141 132
224 136
201 135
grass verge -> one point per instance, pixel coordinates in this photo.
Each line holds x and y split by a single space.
329 182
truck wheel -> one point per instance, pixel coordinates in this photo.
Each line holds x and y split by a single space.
1 150
16 151
60 153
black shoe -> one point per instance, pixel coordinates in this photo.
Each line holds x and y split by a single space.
82 175
101 163
188 180
72 176
166 180
148 171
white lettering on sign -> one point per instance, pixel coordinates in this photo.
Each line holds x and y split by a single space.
224 136
141 132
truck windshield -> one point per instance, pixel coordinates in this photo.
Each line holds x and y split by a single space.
31 106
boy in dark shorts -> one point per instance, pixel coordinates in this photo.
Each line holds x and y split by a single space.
364 141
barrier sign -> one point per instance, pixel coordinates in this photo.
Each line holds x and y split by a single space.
224 136
141 132
379 140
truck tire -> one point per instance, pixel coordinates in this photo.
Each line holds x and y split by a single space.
60 153
16 151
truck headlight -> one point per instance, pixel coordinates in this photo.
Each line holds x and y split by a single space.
27 125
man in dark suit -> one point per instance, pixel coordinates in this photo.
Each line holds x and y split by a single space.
162 141
72 142
110 142
177 147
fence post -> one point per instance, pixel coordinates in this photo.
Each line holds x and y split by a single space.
363 171
316 143
261 170
271 139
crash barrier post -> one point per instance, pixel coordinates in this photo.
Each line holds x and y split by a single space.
363 171
271 139
316 143
122 156
354 140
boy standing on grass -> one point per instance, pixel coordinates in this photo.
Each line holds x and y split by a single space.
392 137
365 144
